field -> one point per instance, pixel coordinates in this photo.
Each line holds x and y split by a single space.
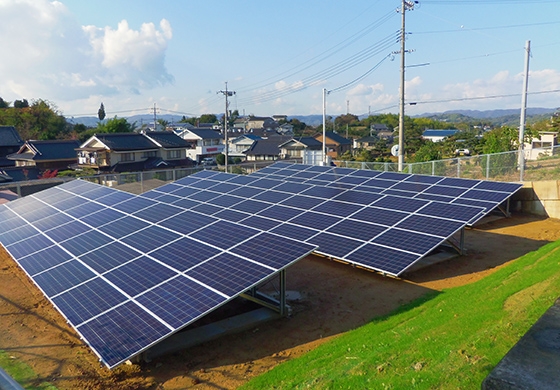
335 299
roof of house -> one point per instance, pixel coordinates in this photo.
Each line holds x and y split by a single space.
369 138
125 141
264 147
47 150
205 133
168 139
309 142
439 133
379 126
9 136
335 137
149 164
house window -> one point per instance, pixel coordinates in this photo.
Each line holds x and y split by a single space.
127 157
171 154
149 154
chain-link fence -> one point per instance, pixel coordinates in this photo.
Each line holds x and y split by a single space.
134 182
538 164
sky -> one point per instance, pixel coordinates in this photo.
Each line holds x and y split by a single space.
177 55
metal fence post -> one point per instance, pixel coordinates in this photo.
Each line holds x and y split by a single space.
458 168
487 166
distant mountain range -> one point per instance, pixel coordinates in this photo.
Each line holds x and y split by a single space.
490 113
495 116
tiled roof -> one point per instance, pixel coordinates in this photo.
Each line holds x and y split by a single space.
439 133
168 139
264 147
206 133
125 141
9 136
47 150
338 138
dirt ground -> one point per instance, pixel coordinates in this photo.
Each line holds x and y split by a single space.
334 298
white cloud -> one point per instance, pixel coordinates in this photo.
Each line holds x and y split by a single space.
48 54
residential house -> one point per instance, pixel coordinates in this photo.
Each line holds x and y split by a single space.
438 135
10 142
241 143
46 155
207 143
286 129
264 149
295 147
367 143
131 152
547 140
336 145
279 118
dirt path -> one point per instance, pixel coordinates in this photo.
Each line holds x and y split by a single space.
334 299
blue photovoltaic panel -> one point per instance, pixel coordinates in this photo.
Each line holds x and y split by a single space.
44 259
123 227
335 245
259 223
224 234
150 238
382 259
270 250
109 256
122 332
75 258
62 277
355 229
231 215
229 274
294 231
187 222
88 300
158 212
139 275
190 301
184 254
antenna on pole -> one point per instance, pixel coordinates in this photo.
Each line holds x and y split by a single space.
226 93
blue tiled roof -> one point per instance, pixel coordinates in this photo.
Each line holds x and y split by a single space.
439 133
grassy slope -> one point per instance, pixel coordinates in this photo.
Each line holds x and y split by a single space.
22 373
442 341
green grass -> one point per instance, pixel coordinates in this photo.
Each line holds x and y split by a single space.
448 340
22 373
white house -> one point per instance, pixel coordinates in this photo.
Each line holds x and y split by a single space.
209 143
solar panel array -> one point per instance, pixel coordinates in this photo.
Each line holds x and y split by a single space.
127 271
469 192
381 232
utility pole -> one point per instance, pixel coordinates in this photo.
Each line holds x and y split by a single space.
324 126
521 158
410 5
226 93
155 118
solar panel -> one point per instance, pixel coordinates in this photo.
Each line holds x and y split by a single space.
435 188
127 271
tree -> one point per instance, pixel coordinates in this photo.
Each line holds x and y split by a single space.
115 125
21 103
4 104
208 118
101 112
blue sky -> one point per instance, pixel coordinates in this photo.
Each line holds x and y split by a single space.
277 56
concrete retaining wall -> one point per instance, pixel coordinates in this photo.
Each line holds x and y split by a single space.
538 198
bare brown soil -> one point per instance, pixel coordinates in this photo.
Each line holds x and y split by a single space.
335 298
